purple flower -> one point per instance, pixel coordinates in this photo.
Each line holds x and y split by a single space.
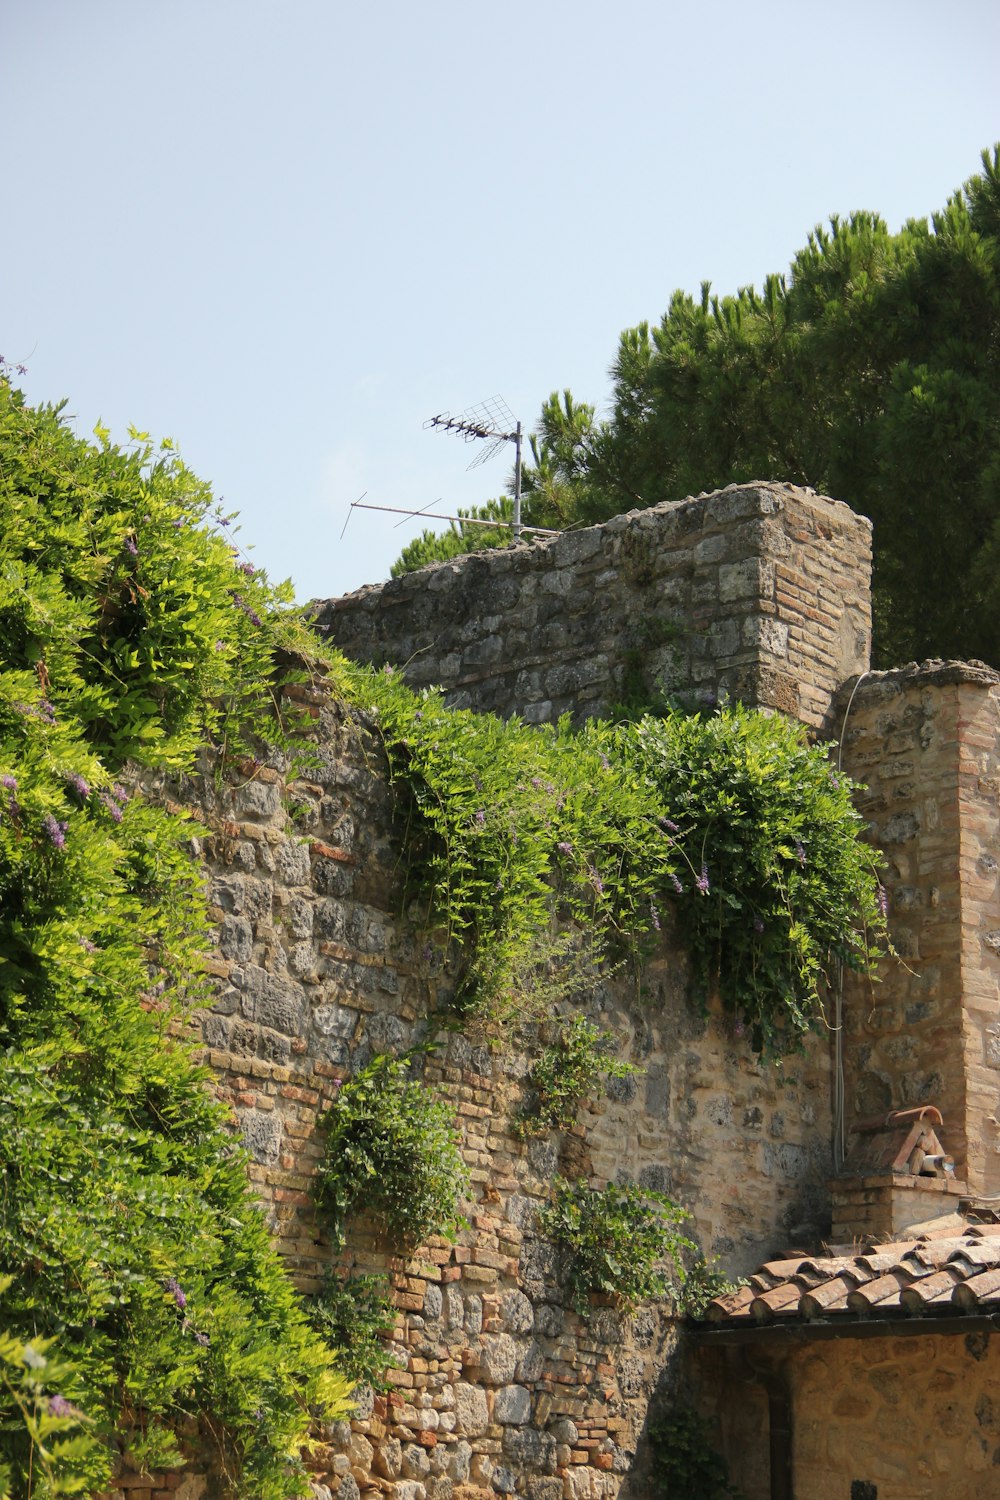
202 1339
701 881
10 782
564 847
800 852
79 784
220 646
481 816
675 882
178 523
55 830
46 712
670 825
131 547
654 915
248 568
120 794
173 1286
87 945
604 761
595 879
112 807
536 783
60 1407
883 900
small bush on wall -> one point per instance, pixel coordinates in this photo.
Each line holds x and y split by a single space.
392 1153
619 1242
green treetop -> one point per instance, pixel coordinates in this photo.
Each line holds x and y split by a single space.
870 372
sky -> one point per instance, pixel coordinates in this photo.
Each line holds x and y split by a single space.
287 234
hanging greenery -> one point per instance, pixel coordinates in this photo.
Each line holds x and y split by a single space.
728 822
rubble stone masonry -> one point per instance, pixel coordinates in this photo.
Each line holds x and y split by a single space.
498 1386
759 591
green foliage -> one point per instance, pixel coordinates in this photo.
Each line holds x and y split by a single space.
570 1070
685 1462
114 592
615 1242
64 1457
868 371
128 1229
731 821
392 1152
704 1280
354 1314
431 546
778 886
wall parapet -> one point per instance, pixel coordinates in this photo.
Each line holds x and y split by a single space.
759 592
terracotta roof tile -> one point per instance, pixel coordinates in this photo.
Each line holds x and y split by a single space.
934 1271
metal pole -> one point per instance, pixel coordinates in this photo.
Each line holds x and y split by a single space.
517 482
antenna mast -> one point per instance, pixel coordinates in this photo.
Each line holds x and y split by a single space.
493 421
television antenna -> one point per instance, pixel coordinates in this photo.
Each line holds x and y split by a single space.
493 422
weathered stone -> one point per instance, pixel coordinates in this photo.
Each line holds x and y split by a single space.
498 1359
471 1410
513 1404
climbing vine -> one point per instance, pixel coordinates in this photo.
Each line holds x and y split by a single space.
726 823
130 630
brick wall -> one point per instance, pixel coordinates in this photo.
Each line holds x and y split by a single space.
760 591
926 740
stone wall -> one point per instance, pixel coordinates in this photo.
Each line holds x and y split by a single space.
926 740
910 1418
758 591
498 1386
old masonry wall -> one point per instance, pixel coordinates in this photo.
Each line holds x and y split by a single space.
498 1387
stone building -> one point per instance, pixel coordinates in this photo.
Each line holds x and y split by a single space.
853 1187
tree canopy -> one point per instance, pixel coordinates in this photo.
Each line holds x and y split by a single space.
870 371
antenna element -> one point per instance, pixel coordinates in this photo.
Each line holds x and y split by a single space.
494 422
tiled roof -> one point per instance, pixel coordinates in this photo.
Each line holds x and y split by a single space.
953 1268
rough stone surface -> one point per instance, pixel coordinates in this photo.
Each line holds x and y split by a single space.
759 591
497 1385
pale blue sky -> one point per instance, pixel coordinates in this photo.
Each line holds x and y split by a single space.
285 234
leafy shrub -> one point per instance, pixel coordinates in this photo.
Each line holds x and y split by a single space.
354 1314
65 1456
128 1228
684 1460
568 1071
704 1280
392 1152
615 1241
